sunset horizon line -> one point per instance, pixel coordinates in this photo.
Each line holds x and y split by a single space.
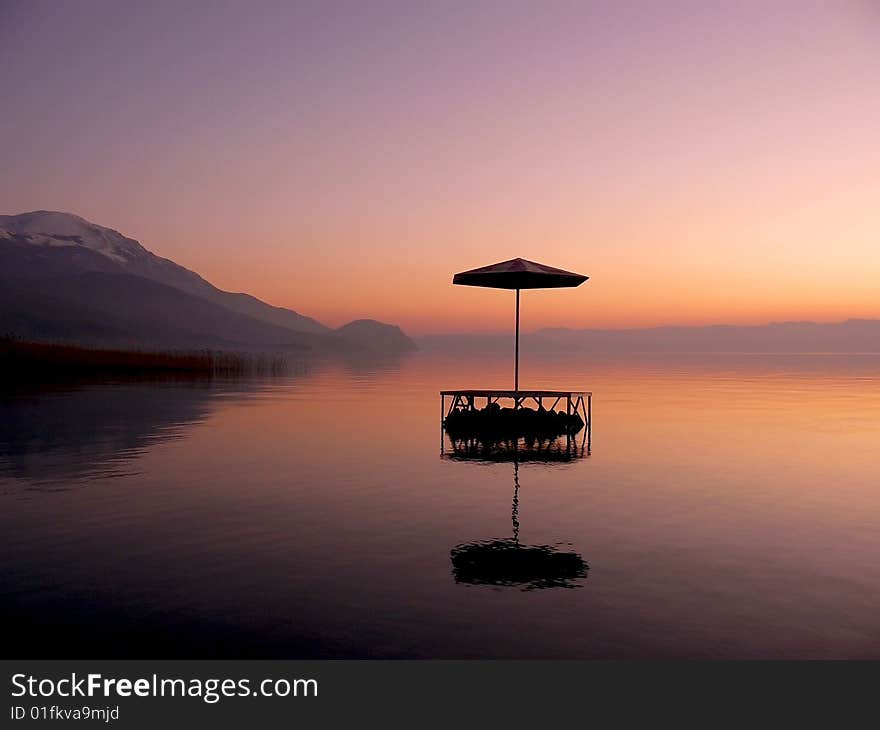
335 318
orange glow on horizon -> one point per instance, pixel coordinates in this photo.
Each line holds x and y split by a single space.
772 262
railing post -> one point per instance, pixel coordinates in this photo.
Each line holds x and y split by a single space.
442 418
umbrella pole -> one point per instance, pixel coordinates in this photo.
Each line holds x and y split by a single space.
516 351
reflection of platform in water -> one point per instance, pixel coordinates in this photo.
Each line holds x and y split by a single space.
560 449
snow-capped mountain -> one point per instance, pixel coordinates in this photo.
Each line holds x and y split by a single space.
65 278
50 228
53 230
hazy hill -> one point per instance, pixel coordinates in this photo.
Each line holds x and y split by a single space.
386 337
853 335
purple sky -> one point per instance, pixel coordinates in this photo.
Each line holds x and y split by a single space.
702 161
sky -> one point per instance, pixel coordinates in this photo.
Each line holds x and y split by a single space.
702 162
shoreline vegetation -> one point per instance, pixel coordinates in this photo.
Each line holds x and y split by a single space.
26 358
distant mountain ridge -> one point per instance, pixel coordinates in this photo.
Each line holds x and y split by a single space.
67 278
852 336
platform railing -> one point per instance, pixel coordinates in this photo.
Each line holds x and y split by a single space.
576 402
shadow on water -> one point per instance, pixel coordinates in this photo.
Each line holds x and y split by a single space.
64 434
58 431
53 434
506 562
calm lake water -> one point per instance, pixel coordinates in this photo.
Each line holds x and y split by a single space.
729 507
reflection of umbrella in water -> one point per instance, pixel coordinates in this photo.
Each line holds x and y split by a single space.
519 274
505 562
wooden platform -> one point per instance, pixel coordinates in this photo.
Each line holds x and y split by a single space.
575 401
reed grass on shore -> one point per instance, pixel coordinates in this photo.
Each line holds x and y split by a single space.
42 358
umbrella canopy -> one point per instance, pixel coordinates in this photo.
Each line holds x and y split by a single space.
519 274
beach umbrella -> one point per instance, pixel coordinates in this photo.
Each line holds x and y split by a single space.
518 274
